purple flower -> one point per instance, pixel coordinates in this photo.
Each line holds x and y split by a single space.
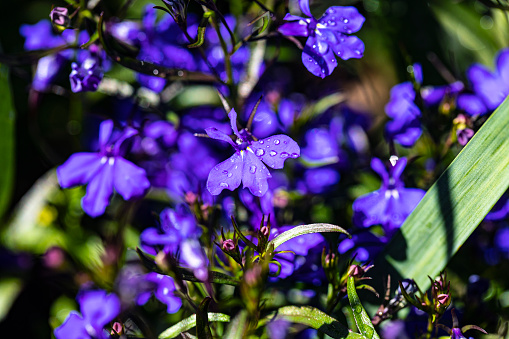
246 163
103 171
86 76
326 36
391 204
97 310
176 226
163 289
491 87
405 127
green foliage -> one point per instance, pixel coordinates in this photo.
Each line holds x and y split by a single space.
304 229
453 207
361 317
7 119
189 323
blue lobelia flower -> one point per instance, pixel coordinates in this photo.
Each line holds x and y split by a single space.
246 163
491 87
163 287
391 204
326 36
405 127
103 171
97 310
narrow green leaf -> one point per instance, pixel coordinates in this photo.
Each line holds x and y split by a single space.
92 39
7 118
359 313
304 229
201 30
238 327
314 318
453 207
189 323
202 320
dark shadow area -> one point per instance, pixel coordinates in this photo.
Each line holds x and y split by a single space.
447 211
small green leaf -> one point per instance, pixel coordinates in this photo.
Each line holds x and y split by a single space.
201 30
238 327
361 317
305 229
7 127
189 323
92 39
314 318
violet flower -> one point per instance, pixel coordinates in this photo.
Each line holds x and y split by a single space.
163 288
246 163
391 204
86 76
405 127
97 310
326 36
103 171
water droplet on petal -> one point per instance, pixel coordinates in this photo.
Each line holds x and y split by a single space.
261 142
345 21
230 175
259 152
284 155
310 60
276 142
252 169
223 185
345 27
268 139
294 155
358 52
331 11
285 142
273 153
314 46
225 172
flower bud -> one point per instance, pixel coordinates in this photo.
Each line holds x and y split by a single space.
228 245
60 17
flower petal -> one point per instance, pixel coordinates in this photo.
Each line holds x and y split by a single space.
378 166
345 19
129 180
503 66
318 62
294 28
348 47
304 7
214 133
79 169
255 174
105 130
487 85
99 191
274 150
72 328
233 122
227 174
471 104
369 209
98 308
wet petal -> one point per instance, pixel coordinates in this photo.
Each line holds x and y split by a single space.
99 308
348 47
72 328
274 150
345 19
255 174
317 62
369 209
214 133
79 169
233 122
129 180
227 174
99 191
294 28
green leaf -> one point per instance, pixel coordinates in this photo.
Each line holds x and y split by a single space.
7 118
201 30
202 320
238 327
189 323
362 319
304 229
453 207
9 291
314 318
92 39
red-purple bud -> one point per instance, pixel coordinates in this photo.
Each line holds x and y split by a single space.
60 16
228 245
444 299
265 231
116 328
356 271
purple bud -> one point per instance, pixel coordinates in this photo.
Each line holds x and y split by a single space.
59 16
265 231
228 245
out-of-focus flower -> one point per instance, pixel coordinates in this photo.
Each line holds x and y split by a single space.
246 163
163 288
405 127
460 126
391 204
97 310
103 171
326 36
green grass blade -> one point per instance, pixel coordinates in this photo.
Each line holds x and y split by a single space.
304 229
453 207
7 118
189 323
